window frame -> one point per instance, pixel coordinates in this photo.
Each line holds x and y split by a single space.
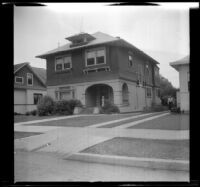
27 77
62 63
19 82
41 95
95 58
148 88
130 56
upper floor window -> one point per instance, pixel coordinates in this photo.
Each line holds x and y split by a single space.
29 79
63 63
130 58
95 57
19 80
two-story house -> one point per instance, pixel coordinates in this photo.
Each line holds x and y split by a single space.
29 87
98 67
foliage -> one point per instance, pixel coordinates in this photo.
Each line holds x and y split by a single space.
45 106
109 108
66 107
166 88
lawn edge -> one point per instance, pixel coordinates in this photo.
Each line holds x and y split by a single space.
152 163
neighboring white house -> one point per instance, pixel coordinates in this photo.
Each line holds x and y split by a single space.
29 87
182 66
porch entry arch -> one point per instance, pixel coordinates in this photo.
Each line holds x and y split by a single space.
97 94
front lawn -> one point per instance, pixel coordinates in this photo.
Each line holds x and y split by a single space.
169 122
135 147
18 134
83 121
23 118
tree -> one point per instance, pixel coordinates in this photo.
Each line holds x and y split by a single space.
166 89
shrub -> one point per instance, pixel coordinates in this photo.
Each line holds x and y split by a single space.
66 107
45 106
62 107
33 112
27 113
109 108
159 108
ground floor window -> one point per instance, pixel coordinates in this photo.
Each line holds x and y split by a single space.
36 98
125 99
65 94
148 92
158 92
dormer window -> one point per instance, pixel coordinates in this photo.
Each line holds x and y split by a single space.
95 57
63 63
80 39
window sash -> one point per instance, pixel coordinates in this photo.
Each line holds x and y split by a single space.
95 57
36 98
29 79
63 63
19 82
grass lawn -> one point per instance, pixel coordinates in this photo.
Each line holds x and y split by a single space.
19 134
134 147
23 118
83 121
169 122
127 121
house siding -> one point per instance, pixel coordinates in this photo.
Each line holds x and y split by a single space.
76 75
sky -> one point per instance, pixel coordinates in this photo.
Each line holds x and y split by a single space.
161 32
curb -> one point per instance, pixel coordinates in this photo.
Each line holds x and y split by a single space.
152 163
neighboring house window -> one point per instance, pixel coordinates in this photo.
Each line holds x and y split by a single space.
95 57
130 58
29 79
63 63
125 99
19 80
148 92
36 98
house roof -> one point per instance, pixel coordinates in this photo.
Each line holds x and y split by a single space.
39 72
100 38
17 67
182 61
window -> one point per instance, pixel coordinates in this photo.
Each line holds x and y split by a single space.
90 58
95 57
36 98
130 60
65 93
29 79
158 92
19 80
148 92
125 96
63 63
67 62
100 57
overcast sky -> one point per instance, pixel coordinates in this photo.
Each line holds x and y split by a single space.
163 33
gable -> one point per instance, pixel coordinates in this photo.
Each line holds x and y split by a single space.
37 84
